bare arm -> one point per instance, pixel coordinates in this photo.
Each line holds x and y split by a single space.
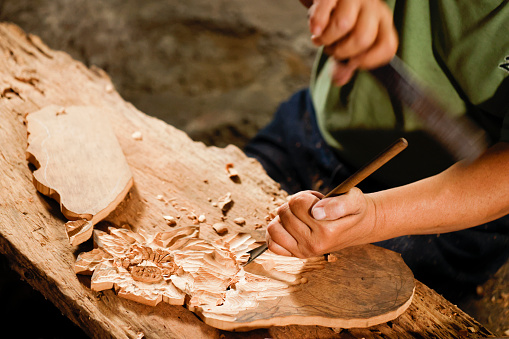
458 198
462 196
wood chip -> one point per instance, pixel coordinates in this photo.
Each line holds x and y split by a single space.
109 88
137 136
170 220
61 111
331 258
225 202
220 228
232 172
239 221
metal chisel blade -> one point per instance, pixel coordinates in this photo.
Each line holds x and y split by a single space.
256 252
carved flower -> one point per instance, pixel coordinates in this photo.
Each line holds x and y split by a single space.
169 266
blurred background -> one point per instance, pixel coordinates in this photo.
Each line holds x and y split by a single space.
214 69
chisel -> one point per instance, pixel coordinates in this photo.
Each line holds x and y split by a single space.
352 181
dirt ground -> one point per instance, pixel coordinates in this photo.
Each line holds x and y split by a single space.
214 69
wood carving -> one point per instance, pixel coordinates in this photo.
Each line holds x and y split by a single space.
209 278
79 163
173 172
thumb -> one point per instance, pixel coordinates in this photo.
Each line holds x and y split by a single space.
337 207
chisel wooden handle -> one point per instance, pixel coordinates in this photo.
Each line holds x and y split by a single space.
365 171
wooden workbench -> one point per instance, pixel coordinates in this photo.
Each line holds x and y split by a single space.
32 235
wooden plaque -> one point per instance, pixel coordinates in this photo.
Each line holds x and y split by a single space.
79 163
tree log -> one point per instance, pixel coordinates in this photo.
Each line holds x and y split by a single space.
176 177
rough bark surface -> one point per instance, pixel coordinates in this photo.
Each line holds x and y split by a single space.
174 177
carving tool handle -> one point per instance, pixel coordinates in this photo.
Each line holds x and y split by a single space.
365 171
352 181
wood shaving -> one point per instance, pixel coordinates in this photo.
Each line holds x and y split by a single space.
220 228
331 258
170 220
61 111
232 172
137 136
239 221
225 202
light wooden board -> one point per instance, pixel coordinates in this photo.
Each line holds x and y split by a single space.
165 162
79 164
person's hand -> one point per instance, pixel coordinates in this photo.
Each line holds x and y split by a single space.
306 226
357 33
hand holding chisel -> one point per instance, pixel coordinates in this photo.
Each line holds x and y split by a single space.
351 182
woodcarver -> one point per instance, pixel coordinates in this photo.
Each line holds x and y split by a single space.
446 216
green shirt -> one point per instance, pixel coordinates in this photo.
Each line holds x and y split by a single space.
457 49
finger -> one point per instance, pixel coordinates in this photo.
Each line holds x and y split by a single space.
342 72
300 208
319 15
278 249
299 230
384 47
338 207
361 38
342 20
309 193
279 235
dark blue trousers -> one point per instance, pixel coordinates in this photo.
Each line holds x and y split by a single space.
294 154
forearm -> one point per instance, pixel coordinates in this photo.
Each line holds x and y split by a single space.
463 196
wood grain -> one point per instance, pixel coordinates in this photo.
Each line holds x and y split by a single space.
79 164
165 162
365 286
